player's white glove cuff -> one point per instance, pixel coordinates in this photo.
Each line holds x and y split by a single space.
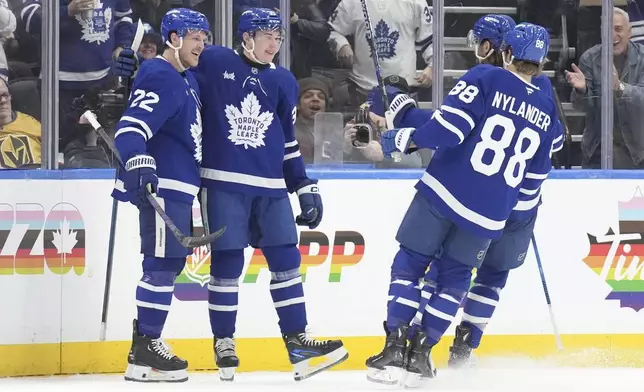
312 188
140 161
400 103
403 139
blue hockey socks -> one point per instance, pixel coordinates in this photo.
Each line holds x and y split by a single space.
153 299
223 291
286 287
404 293
453 282
482 300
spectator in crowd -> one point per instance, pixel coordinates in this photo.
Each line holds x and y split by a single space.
151 46
628 90
7 27
20 135
92 34
151 11
313 99
401 27
636 17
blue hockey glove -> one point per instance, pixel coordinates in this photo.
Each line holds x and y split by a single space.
396 140
140 177
126 63
310 203
375 97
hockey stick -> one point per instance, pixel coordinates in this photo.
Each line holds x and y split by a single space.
397 156
185 240
545 291
136 43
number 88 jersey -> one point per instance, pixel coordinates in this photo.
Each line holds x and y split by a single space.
494 135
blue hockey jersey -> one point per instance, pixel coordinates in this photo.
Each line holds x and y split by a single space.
493 136
86 46
249 125
163 120
526 205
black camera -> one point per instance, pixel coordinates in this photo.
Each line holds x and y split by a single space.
108 105
364 129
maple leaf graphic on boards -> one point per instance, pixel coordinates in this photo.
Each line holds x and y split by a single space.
248 125
64 238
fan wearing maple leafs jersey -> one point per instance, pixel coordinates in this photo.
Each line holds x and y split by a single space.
159 139
402 27
251 162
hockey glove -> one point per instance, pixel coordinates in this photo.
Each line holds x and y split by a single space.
310 203
139 178
126 63
375 97
396 140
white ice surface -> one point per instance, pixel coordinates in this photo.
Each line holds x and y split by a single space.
488 379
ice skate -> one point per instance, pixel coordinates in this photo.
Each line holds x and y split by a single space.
301 349
152 360
419 364
226 358
387 367
460 354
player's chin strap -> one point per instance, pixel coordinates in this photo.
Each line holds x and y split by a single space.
506 64
251 52
476 53
176 53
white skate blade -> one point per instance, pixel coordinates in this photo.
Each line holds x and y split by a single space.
139 373
302 370
390 375
227 374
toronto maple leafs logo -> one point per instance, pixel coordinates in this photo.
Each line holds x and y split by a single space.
64 239
248 126
385 40
97 29
194 268
195 132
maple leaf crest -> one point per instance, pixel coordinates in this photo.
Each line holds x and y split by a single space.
64 238
95 31
195 132
198 258
248 126
385 41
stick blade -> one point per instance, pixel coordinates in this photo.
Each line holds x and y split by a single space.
195 242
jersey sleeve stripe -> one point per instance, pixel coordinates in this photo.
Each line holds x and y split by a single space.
130 129
292 155
536 176
529 192
459 113
143 124
453 203
449 126
290 144
527 205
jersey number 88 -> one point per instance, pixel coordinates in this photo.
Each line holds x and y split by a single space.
514 169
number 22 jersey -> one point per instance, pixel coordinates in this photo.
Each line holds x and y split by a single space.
493 136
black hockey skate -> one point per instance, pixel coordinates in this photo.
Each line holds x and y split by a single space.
460 354
226 358
152 360
419 364
301 349
387 367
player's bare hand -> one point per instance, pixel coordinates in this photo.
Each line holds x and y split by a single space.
345 55
294 18
78 6
425 78
616 81
576 78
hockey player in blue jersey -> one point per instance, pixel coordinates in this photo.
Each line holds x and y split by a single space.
159 139
251 163
505 253
493 136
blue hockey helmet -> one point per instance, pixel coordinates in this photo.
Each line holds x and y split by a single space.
183 21
529 42
259 19
490 27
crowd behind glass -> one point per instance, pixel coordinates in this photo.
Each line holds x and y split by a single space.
334 75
